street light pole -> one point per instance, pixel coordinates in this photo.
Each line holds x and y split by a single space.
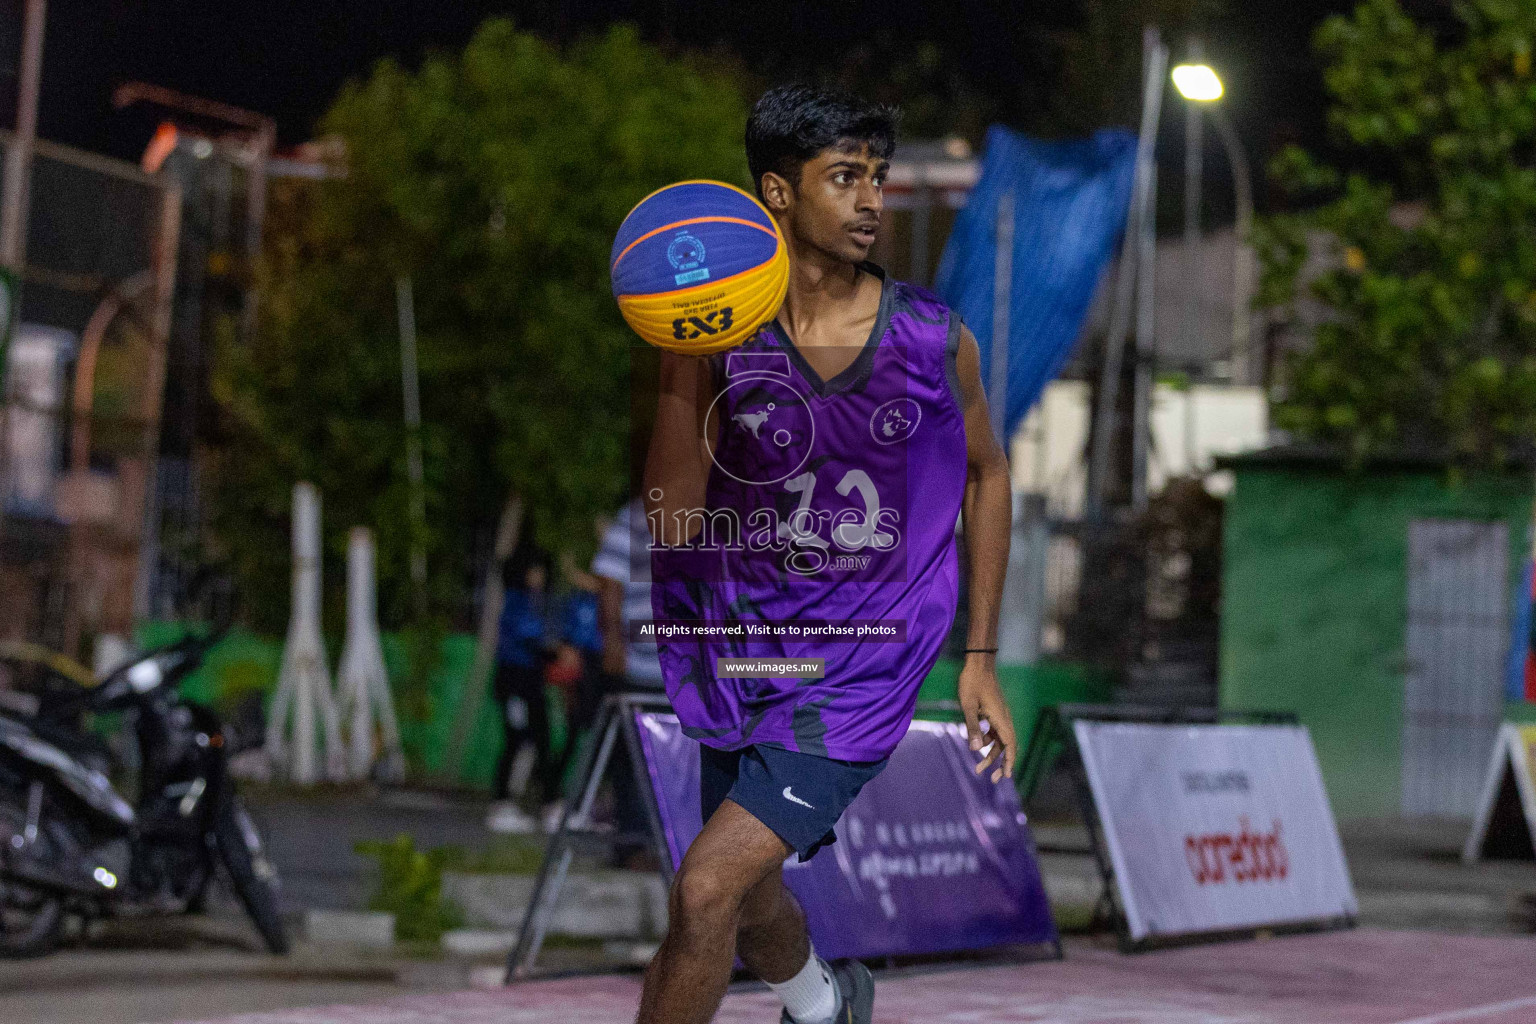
1135 274
18 159
1002 300
1242 265
1194 169
1200 86
405 307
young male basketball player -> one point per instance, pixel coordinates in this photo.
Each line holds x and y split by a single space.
814 475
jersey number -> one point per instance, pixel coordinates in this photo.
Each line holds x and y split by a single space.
801 527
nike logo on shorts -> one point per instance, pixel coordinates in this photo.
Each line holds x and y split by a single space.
794 799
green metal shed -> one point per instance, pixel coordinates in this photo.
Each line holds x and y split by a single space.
1376 604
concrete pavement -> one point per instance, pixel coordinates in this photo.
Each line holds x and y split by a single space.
1354 977
1407 875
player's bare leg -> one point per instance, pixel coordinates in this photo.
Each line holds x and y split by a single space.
688 976
770 935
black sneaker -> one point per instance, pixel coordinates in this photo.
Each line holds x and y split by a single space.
857 987
856 994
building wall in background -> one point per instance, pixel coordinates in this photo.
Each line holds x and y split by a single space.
1314 604
1191 428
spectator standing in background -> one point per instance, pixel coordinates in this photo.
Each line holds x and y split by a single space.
623 571
577 670
522 651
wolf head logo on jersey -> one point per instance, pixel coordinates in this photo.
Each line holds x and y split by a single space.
895 420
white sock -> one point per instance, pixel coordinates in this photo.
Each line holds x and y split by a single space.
811 996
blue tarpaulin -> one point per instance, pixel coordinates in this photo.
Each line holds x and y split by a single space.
1070 205
1520 670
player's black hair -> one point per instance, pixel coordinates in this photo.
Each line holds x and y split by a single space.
790 124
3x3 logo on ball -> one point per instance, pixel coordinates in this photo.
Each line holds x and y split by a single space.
691 328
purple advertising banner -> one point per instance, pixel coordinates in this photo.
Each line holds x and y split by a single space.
929 858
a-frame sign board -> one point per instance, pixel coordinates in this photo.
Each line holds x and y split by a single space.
1505 826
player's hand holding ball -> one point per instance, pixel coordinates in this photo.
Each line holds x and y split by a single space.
698 267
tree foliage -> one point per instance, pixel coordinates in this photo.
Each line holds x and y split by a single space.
1082 70
1097 78
1429 338
495 178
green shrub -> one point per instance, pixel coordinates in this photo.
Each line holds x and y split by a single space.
505 855
411 888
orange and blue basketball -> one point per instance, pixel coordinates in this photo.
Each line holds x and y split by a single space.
698 267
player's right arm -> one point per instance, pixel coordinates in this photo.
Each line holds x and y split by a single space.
677 465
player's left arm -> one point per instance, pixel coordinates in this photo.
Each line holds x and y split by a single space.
987 515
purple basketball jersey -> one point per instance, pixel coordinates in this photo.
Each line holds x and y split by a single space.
830 503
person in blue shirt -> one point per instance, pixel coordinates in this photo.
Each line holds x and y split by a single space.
579 622
522 650
581 652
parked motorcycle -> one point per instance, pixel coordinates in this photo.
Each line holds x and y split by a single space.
70 843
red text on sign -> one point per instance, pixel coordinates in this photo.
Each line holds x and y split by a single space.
1247 856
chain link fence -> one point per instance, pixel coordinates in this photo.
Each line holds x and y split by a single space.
84 385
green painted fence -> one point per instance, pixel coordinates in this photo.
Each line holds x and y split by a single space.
244 663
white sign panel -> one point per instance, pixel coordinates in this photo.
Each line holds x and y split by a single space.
1215 827
1503 816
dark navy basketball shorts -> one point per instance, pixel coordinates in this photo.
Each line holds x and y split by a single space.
799 796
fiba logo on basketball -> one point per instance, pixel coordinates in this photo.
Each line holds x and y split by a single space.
686 253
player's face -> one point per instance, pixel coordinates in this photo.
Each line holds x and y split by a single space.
838 206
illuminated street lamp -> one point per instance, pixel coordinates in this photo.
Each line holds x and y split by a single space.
1198 82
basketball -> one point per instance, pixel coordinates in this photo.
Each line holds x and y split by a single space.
698 267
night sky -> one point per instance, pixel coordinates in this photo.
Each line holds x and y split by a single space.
287 58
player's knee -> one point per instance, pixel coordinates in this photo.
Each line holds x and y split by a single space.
702 897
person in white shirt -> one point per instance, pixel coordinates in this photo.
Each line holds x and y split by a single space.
623 569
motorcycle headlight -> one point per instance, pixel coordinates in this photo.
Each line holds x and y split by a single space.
146 675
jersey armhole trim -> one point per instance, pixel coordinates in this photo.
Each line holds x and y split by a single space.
951 353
